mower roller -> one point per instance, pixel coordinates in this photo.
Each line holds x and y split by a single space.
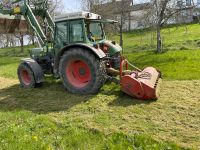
74 48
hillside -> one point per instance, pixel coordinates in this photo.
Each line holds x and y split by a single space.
51 118
184 37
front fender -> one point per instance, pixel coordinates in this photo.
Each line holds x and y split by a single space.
35 67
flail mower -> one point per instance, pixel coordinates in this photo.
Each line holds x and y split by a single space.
74 48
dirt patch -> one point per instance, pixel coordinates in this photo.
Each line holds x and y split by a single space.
6 82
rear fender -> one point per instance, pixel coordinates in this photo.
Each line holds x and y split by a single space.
35 67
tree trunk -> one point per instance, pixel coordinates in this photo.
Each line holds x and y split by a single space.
159 40
129 21
22 42
7 40
121 36
33 39
160 15
120 31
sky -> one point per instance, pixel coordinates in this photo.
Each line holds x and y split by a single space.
75 5
72 5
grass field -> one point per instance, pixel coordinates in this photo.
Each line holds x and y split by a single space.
184 37
51 118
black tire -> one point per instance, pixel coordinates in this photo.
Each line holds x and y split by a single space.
26 76
94 65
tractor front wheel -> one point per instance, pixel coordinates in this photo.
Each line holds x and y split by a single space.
81 72
26 76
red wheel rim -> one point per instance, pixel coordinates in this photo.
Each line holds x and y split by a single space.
25 77
78 73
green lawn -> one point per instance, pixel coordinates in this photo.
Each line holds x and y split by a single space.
174 65
51 118
174 38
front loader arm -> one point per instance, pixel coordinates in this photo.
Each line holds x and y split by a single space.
30 16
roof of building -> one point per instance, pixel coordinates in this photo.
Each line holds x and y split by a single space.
116 5
142 6
11 17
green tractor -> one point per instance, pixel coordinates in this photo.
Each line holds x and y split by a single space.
78 53
77 56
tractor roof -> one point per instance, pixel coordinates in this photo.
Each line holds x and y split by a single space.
77 15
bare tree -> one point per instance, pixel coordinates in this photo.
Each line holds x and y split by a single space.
54 6
20 36
124 15
117 10
88 4
161 6
165 10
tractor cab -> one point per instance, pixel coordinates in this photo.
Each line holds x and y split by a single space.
83 27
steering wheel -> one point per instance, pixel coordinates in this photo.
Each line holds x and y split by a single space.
91 37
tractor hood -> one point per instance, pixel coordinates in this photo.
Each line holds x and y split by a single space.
110 47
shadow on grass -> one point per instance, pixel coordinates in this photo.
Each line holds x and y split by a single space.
50 97
122 99
126 100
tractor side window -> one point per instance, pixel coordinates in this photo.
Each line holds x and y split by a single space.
62 33
76 32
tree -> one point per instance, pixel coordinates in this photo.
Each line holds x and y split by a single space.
161 6
117 10
20 36
54 6
165 10
124 15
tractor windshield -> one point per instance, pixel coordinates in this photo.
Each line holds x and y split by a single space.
94 31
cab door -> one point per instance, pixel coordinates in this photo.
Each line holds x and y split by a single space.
77 31
61 35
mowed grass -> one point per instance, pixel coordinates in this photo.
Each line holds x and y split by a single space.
51 118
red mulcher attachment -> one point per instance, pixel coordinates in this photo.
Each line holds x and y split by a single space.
142 84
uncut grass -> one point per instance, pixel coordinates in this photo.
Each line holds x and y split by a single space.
182 37
10 59
15 51
174 65
170 119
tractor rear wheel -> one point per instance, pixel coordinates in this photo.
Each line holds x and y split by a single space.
26 76
81 71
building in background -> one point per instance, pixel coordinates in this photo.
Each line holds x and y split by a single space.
137 15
